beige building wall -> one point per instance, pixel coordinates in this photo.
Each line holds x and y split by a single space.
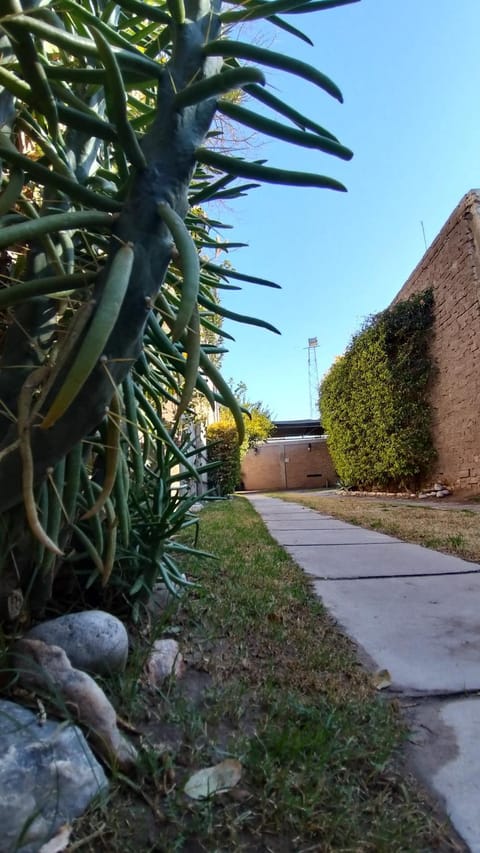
291 464
451 267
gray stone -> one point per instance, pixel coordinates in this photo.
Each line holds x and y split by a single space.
160 600
48 776
93 641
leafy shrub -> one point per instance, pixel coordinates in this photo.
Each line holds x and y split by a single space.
223 447
258 424
374 400
258 427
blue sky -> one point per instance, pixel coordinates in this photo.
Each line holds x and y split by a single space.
409 71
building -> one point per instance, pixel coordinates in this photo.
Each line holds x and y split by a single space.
295 457
451 268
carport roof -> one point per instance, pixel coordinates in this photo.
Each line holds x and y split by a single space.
291 429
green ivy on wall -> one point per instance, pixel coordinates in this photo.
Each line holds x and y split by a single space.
374 401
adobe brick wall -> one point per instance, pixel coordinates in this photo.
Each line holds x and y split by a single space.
451 267
289 465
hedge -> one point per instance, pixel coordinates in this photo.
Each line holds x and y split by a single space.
223 447
374 400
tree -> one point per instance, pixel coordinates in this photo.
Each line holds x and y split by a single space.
106 113
257 419
223 447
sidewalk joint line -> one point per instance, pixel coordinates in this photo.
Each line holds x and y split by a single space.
337 544
303 529
394 577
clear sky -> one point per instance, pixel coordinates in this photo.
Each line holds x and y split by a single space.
409 71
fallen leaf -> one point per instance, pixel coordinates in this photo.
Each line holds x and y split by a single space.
214 780
382 679
59 841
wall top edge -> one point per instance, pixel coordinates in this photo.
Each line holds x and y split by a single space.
469 203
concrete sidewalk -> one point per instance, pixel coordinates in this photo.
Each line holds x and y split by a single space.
416 613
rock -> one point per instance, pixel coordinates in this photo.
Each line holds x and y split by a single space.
93 641
164 660
44 667
437 491
48 777
162 599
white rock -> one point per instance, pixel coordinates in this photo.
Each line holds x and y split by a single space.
164 660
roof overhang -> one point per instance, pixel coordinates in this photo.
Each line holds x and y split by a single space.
294 429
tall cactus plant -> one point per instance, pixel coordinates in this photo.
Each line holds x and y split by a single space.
108 162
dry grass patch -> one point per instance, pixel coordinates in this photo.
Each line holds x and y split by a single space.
452 531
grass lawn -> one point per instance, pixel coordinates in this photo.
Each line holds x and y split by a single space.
271 683
451 530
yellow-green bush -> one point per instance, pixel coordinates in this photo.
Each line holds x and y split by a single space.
223 447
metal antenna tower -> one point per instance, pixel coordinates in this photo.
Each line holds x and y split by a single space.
313 383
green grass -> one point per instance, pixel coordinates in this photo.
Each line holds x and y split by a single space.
274 684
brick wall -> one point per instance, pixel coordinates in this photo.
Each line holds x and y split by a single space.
293 464
451 267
